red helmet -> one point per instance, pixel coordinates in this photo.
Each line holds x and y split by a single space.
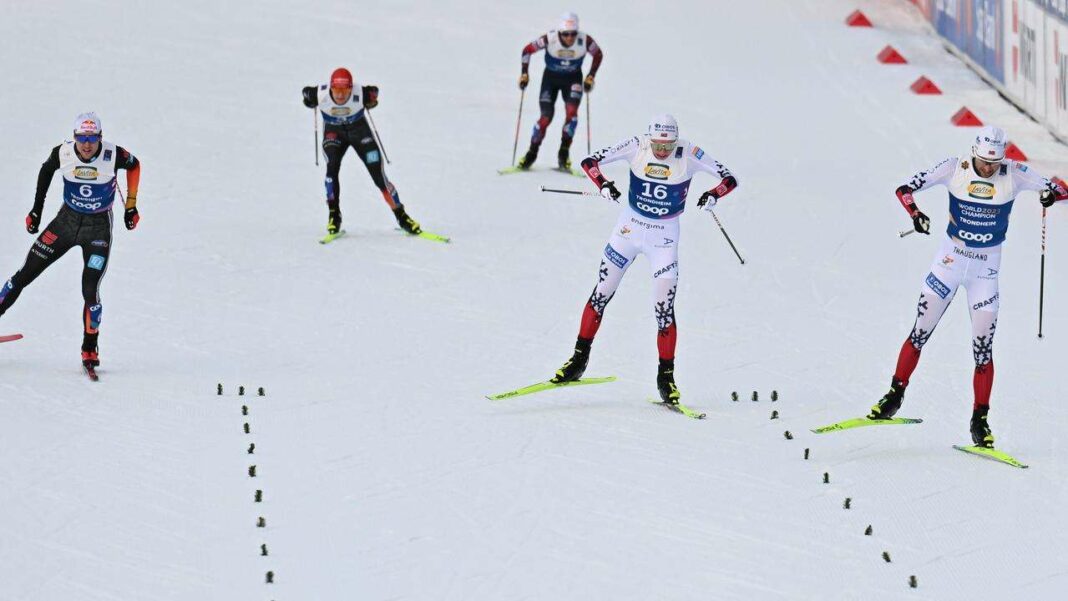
341 78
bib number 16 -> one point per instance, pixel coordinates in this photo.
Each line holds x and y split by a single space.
657 191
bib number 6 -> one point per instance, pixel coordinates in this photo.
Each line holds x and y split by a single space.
86 190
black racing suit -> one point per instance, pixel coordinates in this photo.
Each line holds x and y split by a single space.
69 228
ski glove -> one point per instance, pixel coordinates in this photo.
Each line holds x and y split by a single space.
1047 198
311 98
370 96
33 222
524 79
707 201
921 222
588 83
608 190
132 218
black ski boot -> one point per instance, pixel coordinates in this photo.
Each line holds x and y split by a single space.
665 382
405 222
563 158
575 366
90 357
528 159
981 434
891 401
333 222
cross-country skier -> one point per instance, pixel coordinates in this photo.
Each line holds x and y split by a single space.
982 188
88 166
342 105
565 50
661 168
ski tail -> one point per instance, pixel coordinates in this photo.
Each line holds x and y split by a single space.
10 337
993 454
548 385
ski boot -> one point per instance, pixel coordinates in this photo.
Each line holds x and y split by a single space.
90 359
575 366
405 222
563 158
981 434
333 222
891 401
665 382
528 159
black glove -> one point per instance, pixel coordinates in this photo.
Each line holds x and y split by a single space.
311 97
33 222
608 190
921 222
1047 198
370 96
132 218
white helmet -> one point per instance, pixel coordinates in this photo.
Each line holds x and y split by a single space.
87 123
663 129
990 144
568 22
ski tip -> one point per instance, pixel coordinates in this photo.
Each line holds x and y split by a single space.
10 337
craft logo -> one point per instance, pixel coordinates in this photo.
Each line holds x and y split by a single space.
657 171
981 190
85 173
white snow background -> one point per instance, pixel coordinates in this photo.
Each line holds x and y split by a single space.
386 472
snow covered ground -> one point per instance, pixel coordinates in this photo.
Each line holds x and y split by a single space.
385 472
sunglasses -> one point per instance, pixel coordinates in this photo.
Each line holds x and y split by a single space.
663 146
83 138
568 34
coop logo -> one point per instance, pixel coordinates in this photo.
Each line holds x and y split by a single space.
973 237
657 171
85 173
659 211
981 190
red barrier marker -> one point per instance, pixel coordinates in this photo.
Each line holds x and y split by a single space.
858 19
1013 152
890 56
925 86
965 118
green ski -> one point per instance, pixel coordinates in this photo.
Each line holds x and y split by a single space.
991 454
547 385
429 236
679 408
512 169
860 422
331 237
517 169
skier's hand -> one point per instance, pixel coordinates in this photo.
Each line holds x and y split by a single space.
707 200
524 79
1047 198
608 190
311 99
370 96
587 84
921 222
33 222
132 218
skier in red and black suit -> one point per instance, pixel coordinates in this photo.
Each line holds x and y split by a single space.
344 124
565 50
89 167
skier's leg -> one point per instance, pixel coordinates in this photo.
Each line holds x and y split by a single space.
661 247
983 304
334 147
547 103
96 249
54 241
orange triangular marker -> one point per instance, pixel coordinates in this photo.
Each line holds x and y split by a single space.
858 19
890 56
1013 152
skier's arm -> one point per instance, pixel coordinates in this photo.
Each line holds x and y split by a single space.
700 161
44 179
370 96
132 166
531 48
1025 178
596 52
939 174
625 150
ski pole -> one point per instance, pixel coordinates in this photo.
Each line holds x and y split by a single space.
578 192
518 119
904 233
589 144
736 253
378 138
315 138
1042 274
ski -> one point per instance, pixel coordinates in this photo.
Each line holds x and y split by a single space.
517 169
429 236
994 454
860 422
91 372
679 408
513 169
10 337
548 385
331 237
